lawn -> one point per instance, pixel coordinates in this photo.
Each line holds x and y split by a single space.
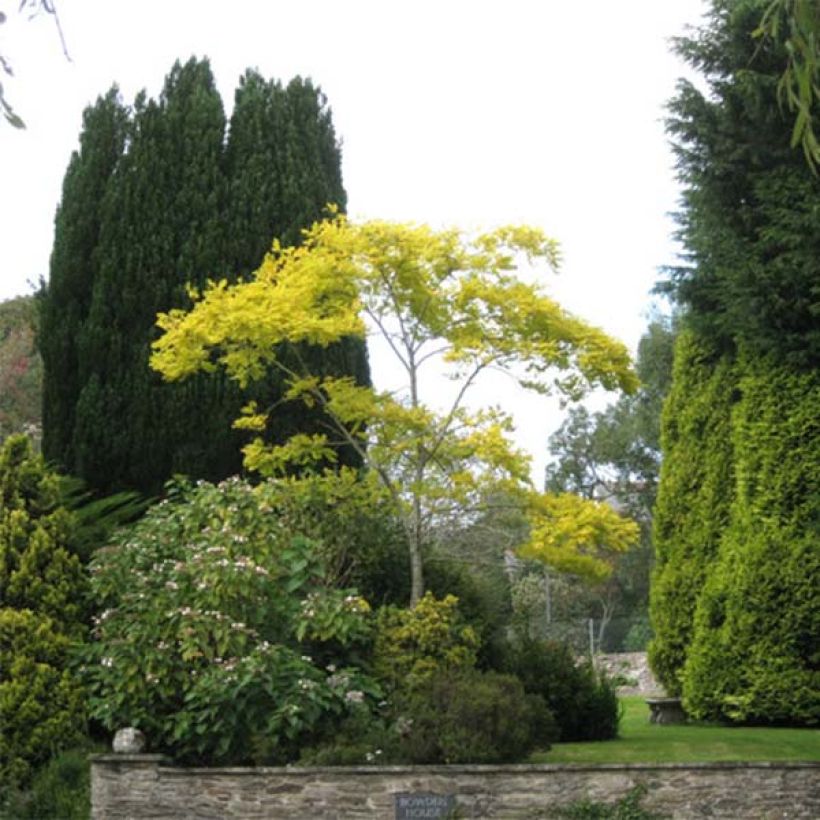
643 742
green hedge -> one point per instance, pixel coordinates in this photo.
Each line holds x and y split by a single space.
694 497
755 653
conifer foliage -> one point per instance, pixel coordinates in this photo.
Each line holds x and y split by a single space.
736 595
42 599
162 194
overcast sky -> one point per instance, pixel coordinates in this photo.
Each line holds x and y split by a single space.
452 112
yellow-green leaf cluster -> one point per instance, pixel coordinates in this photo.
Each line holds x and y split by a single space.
577 535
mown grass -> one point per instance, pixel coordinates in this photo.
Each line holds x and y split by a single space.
643 742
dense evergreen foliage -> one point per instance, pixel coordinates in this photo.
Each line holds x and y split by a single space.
694 496
42 601
755 654
749 221
74 266
737 590
159 196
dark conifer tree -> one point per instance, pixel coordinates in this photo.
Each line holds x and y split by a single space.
160 229
66 300
178 204
290 130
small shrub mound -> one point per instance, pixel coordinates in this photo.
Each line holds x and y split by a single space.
471 717
439 707
453 716
583 701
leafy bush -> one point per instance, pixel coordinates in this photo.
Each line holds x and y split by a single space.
466 716
412 644
365 735
216 630
41 611
484 602
583 700
638 636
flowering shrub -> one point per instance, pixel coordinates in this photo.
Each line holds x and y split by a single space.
214 620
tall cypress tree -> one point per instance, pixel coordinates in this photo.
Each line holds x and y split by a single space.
179 203
160 229
66 299
737 592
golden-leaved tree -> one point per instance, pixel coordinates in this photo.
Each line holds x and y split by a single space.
439 299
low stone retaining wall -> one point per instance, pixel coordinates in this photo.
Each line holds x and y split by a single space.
143 786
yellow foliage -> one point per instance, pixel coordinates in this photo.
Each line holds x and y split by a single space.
431 295
576 535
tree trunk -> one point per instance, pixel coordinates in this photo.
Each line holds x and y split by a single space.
416 573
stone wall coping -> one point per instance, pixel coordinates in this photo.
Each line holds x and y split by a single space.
131 759
169 768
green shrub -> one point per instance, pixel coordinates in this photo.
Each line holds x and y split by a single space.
364 735
582 700
217 629
638 636
42 607
41 702
466 716
484 600
412 644
60 789
449 716
755 653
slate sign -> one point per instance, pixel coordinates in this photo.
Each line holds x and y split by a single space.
422 806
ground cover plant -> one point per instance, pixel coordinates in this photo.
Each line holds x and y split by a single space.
639 741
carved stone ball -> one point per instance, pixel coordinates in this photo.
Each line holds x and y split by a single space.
129 741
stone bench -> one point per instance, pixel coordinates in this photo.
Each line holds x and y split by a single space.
665 710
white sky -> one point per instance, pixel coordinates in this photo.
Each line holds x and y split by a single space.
459 112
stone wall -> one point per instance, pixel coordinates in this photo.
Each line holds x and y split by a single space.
634 668
142 786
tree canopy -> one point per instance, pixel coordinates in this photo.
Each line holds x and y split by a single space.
430 296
